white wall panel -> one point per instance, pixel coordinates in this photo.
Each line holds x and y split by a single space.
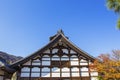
83 63
65 51
45 69
72 58
82 60
73 63
46 58
54 51
55 57
45 74
65 74
75 74
65 70
75 69
35 69
55 69
64 59
46 63
55 74
25 74
84 69
36 63
84 74
65 56
35 74
25 69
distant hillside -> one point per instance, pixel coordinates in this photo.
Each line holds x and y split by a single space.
2 62
9 58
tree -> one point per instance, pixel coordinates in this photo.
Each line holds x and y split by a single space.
108 66
115 6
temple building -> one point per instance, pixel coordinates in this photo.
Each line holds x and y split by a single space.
60 59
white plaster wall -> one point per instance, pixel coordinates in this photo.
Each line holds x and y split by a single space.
84 69
46 58
75 69
36 63
65 51
46 63
64 59
73 63
83 63
65 70
35 69
45 74
25 69
54 51
35 74
72 58
65 74
45 69
55 74
75 74
55 69
84 74
56 58
25 74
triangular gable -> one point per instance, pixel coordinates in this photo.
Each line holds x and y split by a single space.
55 39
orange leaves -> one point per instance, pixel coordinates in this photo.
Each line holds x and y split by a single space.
108 65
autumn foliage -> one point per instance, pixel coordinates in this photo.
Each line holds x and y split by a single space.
108 66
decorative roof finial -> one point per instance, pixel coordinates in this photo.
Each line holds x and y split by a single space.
60 31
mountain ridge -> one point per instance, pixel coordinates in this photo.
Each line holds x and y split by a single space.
8 58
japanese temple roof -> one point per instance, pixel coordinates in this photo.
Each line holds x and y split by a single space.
53 40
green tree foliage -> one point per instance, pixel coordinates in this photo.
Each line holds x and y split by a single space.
115 6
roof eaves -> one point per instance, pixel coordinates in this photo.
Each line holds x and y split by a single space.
85 53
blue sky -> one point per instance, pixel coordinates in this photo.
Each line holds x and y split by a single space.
26 25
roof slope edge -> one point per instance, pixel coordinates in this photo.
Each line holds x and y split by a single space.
52 42
77 48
